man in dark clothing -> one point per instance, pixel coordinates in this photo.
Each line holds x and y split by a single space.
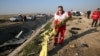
88 14
21 18
25 19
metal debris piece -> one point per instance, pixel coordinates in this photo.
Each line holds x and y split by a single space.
84 45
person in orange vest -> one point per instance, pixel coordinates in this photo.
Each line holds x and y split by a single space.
59 16
95 15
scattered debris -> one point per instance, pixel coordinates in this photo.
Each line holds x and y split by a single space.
80 18
84 45
74 28
72 46
19 34
76 54
73 32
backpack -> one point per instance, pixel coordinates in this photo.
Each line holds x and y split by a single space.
95 15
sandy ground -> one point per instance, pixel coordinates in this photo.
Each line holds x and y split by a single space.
85 43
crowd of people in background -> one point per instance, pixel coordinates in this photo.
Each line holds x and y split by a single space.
23 18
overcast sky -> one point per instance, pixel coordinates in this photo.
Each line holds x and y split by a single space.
45 6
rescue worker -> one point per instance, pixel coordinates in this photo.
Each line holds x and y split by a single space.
95 15
59 16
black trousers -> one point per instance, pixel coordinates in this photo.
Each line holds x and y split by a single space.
94 23
88 16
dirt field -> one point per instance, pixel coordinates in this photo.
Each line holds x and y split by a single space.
85 43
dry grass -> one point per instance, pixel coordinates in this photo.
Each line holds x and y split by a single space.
33 48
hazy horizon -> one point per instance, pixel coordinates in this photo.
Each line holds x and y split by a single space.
45 6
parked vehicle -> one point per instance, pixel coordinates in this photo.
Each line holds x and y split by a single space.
25 18
15 19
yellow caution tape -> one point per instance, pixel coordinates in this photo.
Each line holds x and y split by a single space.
44 46
46 35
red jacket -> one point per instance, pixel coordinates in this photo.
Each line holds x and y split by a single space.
95 15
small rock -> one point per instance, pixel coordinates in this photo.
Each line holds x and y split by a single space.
80 18
76 54
72 46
